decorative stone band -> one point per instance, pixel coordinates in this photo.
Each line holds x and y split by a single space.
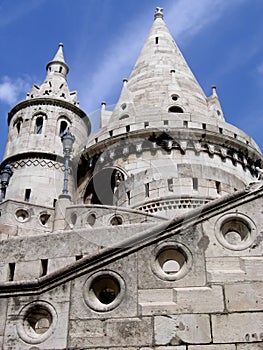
44 163
108 151
173 204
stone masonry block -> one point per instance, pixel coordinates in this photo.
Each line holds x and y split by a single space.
212 347
237 328
244 296
185 300
110 333
252 346
174 329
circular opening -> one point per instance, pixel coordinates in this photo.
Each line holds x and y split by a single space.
116 220
218 112
171 261
235 231
22 215
175 97
123 106
91 219
36 322
104 291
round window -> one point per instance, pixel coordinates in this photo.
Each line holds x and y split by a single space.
36 322
235 231
22 215
104 291
172 261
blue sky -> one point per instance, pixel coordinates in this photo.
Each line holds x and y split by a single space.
220 39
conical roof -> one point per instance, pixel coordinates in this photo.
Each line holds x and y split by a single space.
161 79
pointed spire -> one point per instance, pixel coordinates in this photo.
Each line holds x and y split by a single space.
58 62
159 74
55 85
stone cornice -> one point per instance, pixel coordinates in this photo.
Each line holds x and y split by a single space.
49 101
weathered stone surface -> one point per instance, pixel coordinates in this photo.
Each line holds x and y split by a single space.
237 328
177 329
109 333
244 296
182 300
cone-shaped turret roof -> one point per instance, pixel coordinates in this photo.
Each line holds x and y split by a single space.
55 85
161 80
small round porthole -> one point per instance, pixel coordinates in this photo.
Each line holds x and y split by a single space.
22 215
174 97
91 219
104 291
36 322
235 231
171 261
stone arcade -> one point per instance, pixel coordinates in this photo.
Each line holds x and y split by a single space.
156 240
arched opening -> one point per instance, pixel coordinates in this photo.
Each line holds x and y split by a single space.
39 125
102 187
175 109
63 127
18 125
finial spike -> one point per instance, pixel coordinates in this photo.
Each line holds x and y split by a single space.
158 13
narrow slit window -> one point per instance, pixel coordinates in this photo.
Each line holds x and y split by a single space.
27 194
110 133
185 123
220 130
18 125
218 187
60 69
195 183
44 267
147 190
127 128
39 125
170 185
11 274
204 126
54 203
156 40
165 122
129 197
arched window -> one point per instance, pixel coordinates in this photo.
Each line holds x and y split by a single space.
63 127
39 125
175 109
18 125
102 187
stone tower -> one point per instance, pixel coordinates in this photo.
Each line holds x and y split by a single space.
34 149
159 245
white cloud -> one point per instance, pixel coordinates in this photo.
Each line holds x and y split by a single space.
12 89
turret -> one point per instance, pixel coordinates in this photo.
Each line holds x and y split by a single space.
166 146
34 148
